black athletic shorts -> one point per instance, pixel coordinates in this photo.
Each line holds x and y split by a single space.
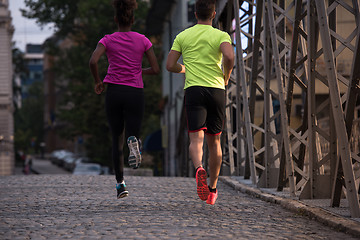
205 109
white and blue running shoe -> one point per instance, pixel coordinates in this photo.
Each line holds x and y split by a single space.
121 190
134 152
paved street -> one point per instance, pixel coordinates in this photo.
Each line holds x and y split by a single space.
85 207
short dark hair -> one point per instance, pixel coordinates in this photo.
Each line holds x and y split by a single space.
204 9
124 11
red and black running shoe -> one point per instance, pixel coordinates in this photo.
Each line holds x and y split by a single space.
201 182
212 198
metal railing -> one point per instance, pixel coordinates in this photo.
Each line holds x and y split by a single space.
286 51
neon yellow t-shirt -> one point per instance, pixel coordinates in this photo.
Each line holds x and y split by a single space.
200 48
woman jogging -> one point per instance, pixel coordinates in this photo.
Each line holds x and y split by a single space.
124 100
205 82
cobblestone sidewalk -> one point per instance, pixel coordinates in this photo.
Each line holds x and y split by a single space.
85 207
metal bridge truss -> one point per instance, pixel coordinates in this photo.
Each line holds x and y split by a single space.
283 47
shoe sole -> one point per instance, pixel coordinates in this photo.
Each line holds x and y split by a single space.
201 182
123 194
134 159
133 163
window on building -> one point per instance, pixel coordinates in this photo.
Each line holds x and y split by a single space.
38 76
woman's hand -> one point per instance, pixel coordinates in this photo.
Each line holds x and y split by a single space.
99 88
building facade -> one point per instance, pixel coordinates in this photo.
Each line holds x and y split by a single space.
167 19
7 161
34 60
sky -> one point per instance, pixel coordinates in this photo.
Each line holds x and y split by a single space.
26 30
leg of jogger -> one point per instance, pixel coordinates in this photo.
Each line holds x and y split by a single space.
196 147
215 158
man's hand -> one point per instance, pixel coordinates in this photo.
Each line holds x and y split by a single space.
226 80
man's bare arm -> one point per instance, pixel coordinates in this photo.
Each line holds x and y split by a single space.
228 60
171 63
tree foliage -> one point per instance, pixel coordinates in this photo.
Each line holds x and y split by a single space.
29 119
20 69
85 22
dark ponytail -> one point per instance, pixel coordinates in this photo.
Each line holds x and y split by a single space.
124 11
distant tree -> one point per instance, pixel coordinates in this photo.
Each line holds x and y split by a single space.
18 61
20 70
85 22
29 119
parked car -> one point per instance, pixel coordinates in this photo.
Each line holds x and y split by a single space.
69 162
105 170
88 169
53 156
58 156
79 160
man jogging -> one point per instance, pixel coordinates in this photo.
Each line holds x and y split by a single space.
204 50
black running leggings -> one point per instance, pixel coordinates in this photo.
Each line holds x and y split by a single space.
124 109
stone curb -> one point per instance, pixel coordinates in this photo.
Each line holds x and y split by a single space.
321 215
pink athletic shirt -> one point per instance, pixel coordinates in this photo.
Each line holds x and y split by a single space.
125 51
